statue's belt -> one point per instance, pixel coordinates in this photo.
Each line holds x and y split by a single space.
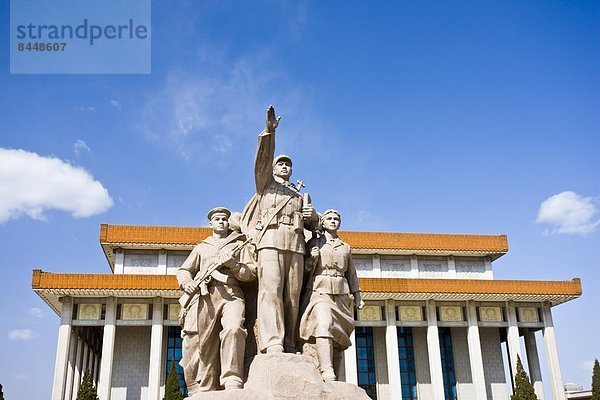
262 227
331 273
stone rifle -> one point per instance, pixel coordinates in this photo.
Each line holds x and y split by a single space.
201 280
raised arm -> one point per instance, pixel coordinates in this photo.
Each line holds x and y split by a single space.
265 152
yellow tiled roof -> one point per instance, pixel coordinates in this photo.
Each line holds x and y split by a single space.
425 241
175 235
45 280
472 286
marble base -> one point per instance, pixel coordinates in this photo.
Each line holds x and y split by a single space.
286 377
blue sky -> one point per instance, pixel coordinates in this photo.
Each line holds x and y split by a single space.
456 117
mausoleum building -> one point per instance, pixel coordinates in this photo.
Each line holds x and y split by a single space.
436 324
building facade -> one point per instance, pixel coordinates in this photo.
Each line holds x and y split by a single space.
436 324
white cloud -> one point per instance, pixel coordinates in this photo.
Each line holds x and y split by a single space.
31 184
215 107
297 16
115 103
85 108
80 146
222 144
21 334
569 213
36 312
361 215
209 111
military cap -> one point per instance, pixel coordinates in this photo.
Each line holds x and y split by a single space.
282 157
219 210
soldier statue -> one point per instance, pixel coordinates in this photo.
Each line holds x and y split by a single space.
276 218
328 319
213 314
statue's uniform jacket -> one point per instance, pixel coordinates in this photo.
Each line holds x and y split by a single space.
276 208
284 231
213 332
329 311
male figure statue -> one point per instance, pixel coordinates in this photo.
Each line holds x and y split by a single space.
275 217
213 329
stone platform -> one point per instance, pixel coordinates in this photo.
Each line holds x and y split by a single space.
286 377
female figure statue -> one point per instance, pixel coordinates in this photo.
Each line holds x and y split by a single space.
328 319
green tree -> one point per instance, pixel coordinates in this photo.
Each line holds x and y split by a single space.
523 388
87 390
2 394
172 391
596 381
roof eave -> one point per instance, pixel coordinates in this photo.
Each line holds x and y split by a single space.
52 296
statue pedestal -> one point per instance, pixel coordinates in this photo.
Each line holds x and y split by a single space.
286 377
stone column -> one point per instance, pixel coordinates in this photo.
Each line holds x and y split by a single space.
391 345
62 349
119 261
350 363
533 359
433 350
489 274
86 359
92 362
414 266
71 367
97 350
512 338
97 369
552 354
156 342
475 356
108 349
381 364
376 266
451 267
77 374
162 262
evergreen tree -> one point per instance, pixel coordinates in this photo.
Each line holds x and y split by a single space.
523 388
172 391
2 394
596 381
87 390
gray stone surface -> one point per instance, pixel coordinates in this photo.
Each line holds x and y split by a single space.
130 364
286 377
493 365
462 364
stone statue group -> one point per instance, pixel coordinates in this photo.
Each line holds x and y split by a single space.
305 280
